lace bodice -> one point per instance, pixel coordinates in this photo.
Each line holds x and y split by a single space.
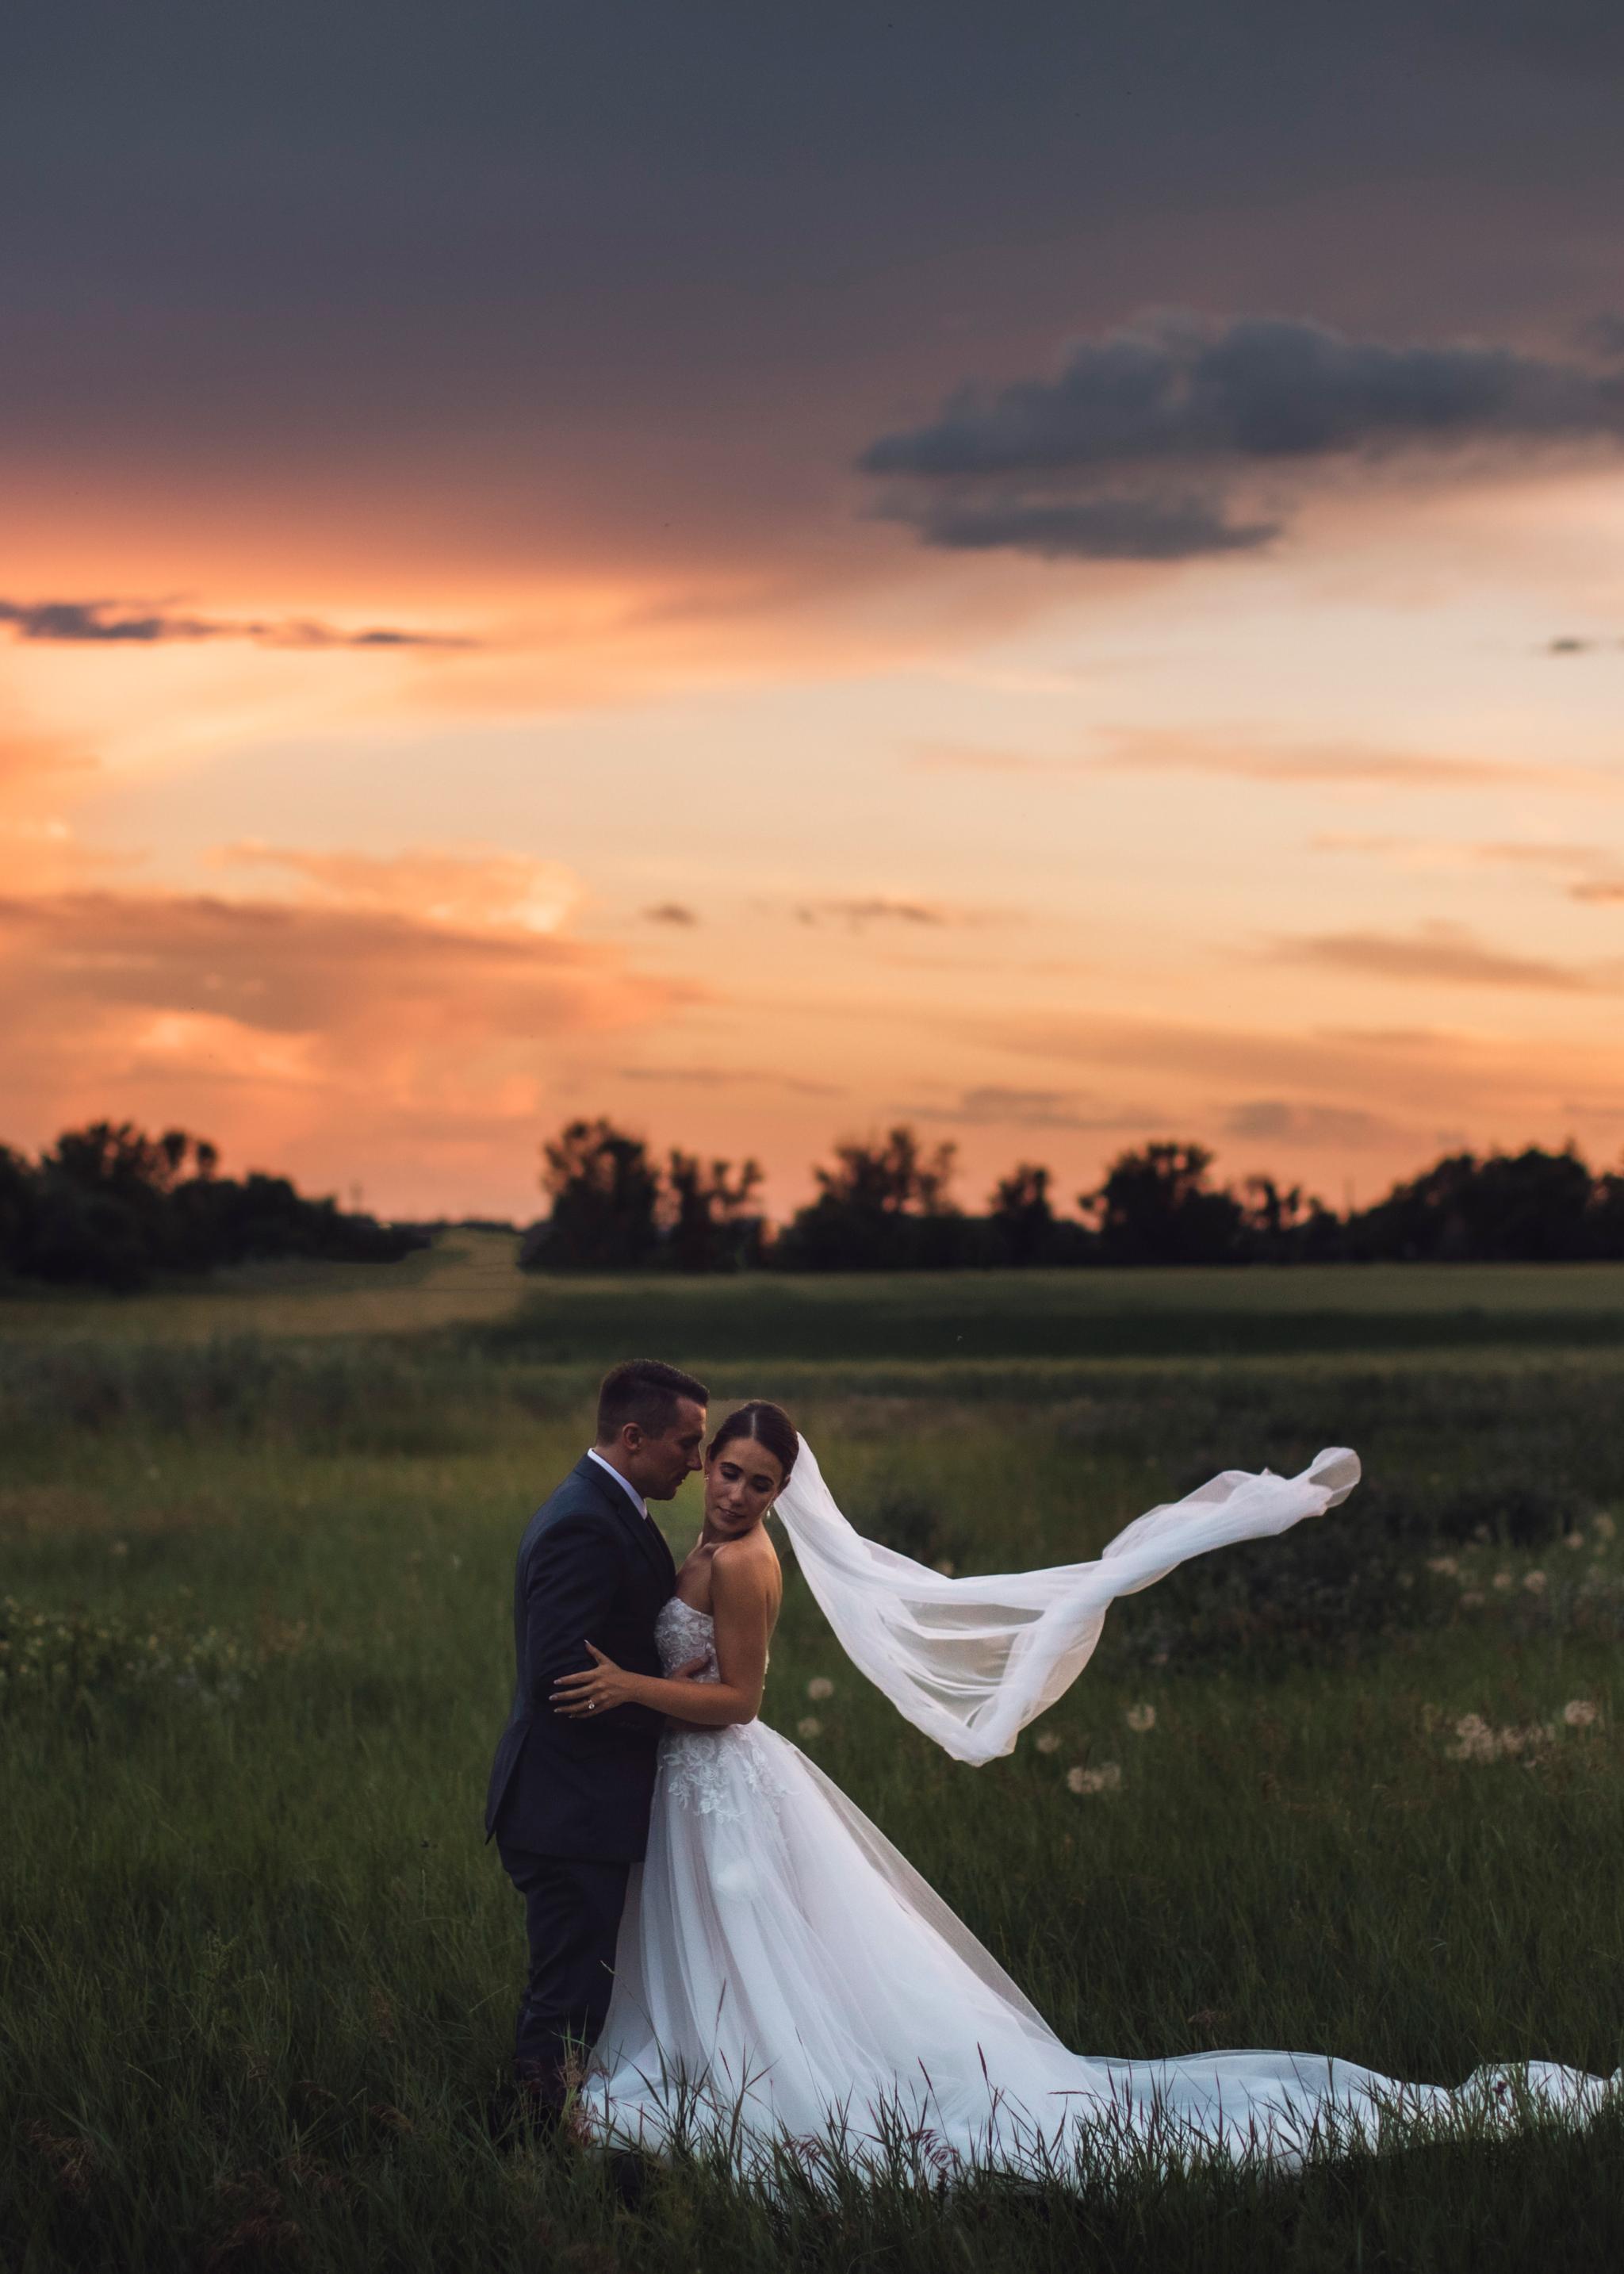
680 1633
718 1772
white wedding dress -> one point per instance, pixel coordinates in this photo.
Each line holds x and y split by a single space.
785 1981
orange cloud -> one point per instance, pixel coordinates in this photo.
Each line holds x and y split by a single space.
1445 954
1416 1080
475 891
1260 757
356 1031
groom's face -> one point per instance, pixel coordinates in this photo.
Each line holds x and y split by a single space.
658 1466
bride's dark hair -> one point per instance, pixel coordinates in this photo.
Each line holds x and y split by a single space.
764 1423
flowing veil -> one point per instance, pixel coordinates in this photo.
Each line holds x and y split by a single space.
971 1662
790 1990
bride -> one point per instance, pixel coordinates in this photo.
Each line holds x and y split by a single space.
784 1977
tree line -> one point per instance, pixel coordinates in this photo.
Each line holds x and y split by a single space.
886 1205
110 1206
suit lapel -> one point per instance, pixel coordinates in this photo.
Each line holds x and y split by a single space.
643 1530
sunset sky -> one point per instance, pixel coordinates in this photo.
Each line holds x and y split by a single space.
1055 572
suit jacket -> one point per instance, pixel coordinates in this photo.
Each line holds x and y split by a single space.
589 1569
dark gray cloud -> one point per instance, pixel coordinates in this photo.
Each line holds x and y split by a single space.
1142 445
1095 529
994 1105
1280 1121
123 622
671 912
636 277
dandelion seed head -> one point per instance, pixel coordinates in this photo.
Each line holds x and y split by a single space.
1049 1743
1580 1713
820 1686
809 1726
1141 1717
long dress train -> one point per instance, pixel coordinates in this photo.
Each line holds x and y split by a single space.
784 1976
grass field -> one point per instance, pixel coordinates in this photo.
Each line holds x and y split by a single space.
258 1969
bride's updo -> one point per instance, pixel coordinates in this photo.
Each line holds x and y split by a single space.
764 1423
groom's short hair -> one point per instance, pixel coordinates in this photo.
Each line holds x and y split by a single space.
647 1391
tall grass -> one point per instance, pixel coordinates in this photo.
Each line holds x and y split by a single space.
258 1969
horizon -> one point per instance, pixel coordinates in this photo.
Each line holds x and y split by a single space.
769 581
350 1195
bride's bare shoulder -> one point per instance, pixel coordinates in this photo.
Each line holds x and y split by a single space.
748 1569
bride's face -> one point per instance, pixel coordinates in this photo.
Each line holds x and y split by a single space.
742 1480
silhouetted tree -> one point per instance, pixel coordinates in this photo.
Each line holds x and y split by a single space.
1286 1226
18 1205
1530 1207
1605 1225
1156 1206
889 1178
709 1226
606 1196
884 1206
1021 1217
110 1205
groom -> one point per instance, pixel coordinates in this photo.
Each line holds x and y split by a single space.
570 1799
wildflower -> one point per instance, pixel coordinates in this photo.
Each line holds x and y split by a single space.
1477 1741
1106 1778
1141 1717
1473 1600
1502 1583
820 1686
1580 1713
1533 1583
1603 1526
809 1726
1574 1540
1446 1566
946 1566
1049 1743
119 1548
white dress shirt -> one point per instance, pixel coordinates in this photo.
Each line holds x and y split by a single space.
630 1490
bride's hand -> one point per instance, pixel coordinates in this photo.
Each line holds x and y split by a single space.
606 1685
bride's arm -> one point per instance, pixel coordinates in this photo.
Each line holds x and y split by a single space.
742 1611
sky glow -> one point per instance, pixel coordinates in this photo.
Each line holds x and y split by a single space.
728 600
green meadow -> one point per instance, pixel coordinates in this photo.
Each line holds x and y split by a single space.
1355 1791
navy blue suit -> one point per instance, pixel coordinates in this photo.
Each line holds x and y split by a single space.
570 1798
